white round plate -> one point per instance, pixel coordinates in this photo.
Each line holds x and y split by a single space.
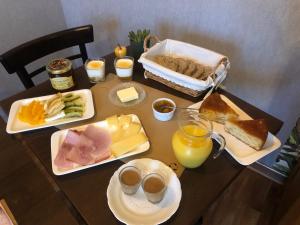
136 209
113 97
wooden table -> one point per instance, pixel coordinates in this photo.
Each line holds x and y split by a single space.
86 190
29 195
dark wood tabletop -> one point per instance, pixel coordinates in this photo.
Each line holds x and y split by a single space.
86 190
29 195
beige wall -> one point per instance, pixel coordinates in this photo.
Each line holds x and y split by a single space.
21 21
261 38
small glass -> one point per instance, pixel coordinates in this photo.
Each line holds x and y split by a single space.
95 69
124 67
130 179
154 187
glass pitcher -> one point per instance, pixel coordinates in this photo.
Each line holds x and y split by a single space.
192 142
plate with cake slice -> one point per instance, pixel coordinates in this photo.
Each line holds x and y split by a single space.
247 139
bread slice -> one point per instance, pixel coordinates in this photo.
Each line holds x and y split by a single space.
216 109
252 132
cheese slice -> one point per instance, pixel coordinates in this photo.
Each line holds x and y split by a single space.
128 144
132 129
125 120
128 94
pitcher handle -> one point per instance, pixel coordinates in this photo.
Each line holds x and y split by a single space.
221 140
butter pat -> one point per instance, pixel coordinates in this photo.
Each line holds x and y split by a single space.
128 94
128 144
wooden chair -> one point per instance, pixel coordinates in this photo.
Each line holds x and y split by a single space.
15 60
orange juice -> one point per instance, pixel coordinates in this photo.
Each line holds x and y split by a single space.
192 145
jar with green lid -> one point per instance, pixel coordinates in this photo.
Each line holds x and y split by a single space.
61 74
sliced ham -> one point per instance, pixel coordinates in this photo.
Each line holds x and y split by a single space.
60 160
72 137
100 137
80 155
104 155
83 147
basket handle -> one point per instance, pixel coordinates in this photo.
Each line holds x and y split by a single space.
149 37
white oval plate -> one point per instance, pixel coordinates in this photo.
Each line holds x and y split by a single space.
241 152
135 209
14 125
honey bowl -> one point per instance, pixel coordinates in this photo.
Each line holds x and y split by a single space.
163 109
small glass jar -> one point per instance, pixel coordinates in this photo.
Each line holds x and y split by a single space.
61 74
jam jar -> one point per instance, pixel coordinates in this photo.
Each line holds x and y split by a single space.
61 74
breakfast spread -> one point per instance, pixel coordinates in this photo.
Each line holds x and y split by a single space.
57 107
184 66
127 94
252 132
216 109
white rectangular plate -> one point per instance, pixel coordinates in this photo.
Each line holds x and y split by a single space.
241 152
58 137
14 125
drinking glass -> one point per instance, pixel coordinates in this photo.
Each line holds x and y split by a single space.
124 67
95 69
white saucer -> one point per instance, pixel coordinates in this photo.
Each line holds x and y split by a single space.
135 209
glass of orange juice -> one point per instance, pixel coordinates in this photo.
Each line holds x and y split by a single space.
192 142
124 67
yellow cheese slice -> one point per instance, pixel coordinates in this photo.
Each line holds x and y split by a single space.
132 129
112 122
125 120
128 144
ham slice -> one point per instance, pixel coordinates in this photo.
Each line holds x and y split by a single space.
60 160
80 155
100 137
83 148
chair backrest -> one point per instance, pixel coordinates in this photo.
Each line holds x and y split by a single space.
15 60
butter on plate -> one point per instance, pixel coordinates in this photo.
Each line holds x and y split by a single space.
128 94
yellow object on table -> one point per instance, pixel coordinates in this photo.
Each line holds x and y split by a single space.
32 113
128 144
192 146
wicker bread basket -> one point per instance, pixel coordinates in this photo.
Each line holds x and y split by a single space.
181 82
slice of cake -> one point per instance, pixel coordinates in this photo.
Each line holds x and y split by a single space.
216 109
252 132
